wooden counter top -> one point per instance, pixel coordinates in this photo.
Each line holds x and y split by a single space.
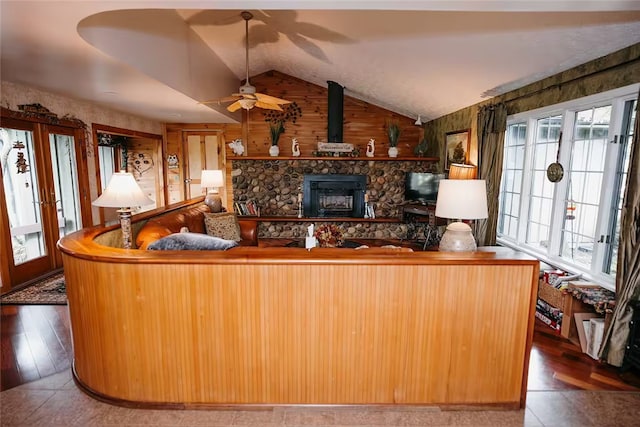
82 245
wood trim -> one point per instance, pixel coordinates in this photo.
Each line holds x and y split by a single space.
97 127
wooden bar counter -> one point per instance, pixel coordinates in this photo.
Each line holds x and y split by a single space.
271 326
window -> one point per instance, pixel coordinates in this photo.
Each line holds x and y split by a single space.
545 148
574 223
512 169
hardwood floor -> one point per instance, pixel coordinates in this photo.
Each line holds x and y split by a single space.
36 343
558 364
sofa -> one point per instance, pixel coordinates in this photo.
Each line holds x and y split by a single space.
191 217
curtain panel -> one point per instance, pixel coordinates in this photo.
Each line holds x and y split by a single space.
492 124
628 273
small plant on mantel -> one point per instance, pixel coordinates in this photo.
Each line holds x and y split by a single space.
275 130
393 132
276 120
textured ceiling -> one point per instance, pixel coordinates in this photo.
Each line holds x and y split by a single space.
432 59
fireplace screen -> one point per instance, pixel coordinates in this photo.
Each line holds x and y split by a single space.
334 195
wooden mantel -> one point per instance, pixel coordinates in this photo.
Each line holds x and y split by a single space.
290 326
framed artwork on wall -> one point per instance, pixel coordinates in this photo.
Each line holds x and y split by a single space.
456 147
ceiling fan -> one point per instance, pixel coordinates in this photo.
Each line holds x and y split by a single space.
247 97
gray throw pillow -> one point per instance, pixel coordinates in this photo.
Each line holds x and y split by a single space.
191 242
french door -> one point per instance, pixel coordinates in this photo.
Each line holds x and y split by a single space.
40 196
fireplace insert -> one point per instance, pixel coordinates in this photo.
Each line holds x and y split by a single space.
334 195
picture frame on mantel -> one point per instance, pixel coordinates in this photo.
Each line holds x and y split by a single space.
457 144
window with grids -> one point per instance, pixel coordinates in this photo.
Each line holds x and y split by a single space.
512 168
573 223
545 149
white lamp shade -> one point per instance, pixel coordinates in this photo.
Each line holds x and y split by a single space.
211 178
122 192
462 199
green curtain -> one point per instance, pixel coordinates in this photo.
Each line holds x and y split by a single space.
492 124
628 273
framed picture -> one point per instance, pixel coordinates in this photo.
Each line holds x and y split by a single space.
457 147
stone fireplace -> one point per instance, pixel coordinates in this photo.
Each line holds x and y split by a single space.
334 195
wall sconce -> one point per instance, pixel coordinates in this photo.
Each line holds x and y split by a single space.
123 192
461 199
212 179
460 171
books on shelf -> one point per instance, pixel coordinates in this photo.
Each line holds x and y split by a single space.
549 315
553 324
248 208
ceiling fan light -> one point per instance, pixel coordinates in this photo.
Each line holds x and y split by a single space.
247 104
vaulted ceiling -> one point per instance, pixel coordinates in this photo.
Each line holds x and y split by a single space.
158 59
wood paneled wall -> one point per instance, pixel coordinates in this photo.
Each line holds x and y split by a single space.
362 120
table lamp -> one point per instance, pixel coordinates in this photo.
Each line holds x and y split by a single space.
460 171
460 199
123 192
212 179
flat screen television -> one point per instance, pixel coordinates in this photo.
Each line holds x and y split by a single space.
422 187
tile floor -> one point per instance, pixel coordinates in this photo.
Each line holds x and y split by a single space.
56 401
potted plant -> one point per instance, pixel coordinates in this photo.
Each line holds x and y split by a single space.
275 129
393 132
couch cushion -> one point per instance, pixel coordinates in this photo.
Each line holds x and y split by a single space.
191 242
224 225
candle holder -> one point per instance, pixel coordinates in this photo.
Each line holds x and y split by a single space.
300 209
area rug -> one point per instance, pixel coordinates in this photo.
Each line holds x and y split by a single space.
47 291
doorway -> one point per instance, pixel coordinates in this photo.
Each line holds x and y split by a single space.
139 153
40 196
202 150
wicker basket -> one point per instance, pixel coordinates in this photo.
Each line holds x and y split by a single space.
553 296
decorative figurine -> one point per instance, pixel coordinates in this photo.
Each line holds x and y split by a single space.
371 147
237 147
172 161
295 147
21 163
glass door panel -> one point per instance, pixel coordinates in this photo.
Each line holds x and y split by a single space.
66 198
22 196
194 166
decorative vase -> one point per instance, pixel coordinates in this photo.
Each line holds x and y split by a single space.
274 150
393 152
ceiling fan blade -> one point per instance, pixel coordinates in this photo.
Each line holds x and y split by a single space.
234 107
221 100
268 106
271 99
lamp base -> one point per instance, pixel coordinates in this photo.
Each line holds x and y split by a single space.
214 201
125 226
458 238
